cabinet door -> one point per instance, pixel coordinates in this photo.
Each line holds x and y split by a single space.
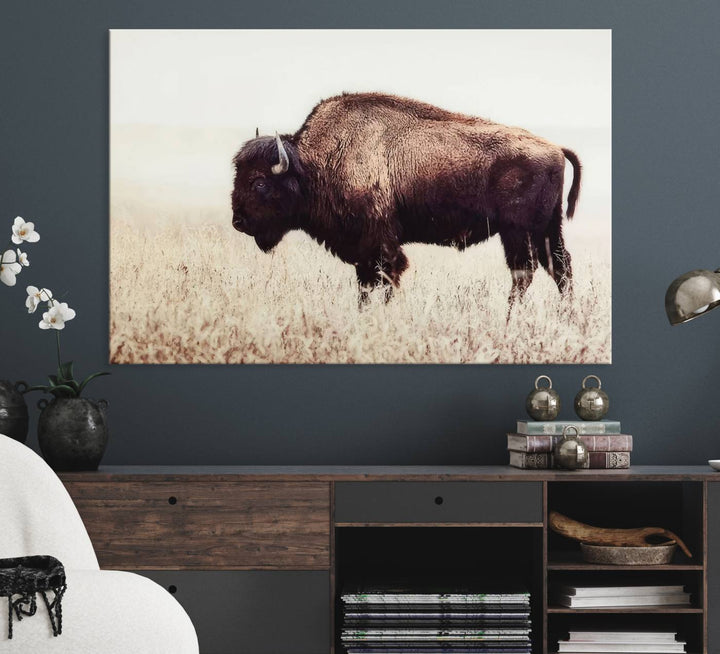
206 525
713 562
258 612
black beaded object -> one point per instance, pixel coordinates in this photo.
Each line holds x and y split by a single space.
22 578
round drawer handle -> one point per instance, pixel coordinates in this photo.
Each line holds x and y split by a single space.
439 500
172 589
172 500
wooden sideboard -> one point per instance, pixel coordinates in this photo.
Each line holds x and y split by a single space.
258 555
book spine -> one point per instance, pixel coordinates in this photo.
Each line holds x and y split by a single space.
608 460
607 443
556 428
593 442
681 599
530 461
596 460
531 443
617 591
603 461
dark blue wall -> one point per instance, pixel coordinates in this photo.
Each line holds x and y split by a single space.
664 383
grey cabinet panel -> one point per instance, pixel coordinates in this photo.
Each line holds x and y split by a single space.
442 501
254 612
713 571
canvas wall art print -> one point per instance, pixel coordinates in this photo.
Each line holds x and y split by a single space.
360 196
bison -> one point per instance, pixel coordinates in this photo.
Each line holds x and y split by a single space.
367 173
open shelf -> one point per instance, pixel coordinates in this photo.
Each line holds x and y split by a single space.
679 507
489 559
688 624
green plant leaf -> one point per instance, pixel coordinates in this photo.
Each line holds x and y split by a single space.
65 372
44 389
89 378
61 390
54 381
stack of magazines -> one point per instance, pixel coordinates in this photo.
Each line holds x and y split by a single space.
392 621
583 597
601 642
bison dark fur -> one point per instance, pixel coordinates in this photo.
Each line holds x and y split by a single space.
367 173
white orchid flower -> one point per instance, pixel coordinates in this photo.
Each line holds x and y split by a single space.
9 267
23 231
36 296
56 317
22 258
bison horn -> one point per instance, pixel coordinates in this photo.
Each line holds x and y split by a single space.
284 163
257 132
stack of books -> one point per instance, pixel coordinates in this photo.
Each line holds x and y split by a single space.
584 597
531 446
386 621
599 642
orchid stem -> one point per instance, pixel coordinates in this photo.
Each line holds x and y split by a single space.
57 340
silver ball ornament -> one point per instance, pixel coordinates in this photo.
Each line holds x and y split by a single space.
543 403
570 452
591 403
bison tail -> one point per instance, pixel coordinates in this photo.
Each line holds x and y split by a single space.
575 188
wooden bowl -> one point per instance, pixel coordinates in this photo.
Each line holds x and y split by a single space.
614 555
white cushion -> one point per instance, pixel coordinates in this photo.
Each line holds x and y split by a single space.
37 515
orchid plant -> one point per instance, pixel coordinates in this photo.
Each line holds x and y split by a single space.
12 262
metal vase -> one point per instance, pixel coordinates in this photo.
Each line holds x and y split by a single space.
73 433
13 410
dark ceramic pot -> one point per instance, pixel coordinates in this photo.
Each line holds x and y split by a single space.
73 433
13 410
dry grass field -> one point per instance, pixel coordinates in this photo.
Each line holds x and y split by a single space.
203 293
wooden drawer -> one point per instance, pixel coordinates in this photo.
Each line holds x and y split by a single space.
218 525
469 502
254 611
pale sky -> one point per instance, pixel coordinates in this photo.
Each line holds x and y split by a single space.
183 101
273 78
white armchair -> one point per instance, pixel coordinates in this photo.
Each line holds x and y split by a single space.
104 612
